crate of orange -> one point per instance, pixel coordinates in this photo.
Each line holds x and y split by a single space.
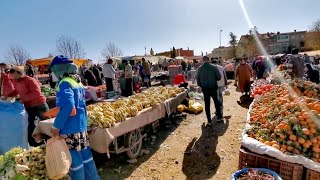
283 124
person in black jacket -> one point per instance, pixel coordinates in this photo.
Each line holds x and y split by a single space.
90 77
313 75
97 74
30 70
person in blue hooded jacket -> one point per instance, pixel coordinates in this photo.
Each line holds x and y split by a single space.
71 95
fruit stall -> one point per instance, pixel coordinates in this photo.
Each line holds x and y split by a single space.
282 131
121 123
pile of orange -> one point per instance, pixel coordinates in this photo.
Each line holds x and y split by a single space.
287 120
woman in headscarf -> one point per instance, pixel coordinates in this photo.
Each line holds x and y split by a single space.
243 74
70 97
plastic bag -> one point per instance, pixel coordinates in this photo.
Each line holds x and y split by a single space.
13 126
226 92
196 108
58 158
93 93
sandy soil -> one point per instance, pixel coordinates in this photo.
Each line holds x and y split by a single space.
187 150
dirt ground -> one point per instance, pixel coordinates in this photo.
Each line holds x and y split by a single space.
188 150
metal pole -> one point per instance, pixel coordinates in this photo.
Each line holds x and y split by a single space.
220 37
220 43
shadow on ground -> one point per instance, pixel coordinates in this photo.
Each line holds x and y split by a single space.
117 167
245 101
200 158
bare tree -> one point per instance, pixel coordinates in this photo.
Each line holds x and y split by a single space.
111 50
70 48
17 55
315 26
312 37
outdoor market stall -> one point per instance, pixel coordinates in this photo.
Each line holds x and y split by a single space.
102 136
47 61
283 123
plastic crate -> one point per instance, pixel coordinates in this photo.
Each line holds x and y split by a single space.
312 175
288 171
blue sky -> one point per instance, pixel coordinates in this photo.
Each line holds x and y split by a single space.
133 24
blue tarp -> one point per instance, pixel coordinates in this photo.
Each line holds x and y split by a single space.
13 126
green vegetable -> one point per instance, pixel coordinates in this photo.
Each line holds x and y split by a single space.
19 177
9 159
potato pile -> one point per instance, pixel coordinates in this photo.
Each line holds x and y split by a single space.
106 114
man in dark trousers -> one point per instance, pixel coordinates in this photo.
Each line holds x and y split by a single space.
295 65
207 78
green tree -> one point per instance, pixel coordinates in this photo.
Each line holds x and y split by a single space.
233 42
173 52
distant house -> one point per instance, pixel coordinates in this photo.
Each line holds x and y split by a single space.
274 43
223 52
179 52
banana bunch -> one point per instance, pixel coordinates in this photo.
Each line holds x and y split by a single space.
105 115
101 119
132 111
119 116
139 106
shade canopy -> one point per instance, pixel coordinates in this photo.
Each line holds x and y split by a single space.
47 61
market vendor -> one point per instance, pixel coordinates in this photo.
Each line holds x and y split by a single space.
6 87
28 89
73 129
109 74
128 74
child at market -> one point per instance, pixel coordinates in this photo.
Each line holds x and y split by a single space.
73 129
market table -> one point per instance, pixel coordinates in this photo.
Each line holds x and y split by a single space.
101 138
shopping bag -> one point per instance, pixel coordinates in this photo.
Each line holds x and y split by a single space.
58 158
196 108
226 92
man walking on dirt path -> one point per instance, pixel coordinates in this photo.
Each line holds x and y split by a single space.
223 83
207 78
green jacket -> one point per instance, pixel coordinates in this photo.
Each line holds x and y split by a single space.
208 76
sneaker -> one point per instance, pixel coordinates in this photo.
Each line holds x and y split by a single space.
220 120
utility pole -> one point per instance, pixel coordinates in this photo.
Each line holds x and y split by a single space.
145 50
220 45
220 41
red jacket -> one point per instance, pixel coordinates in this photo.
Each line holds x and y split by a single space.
29 91
6 85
